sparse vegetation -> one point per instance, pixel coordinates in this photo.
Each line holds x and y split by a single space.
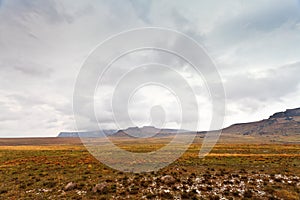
231 171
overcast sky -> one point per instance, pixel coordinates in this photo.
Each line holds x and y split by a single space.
43 43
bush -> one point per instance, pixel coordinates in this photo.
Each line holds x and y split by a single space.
214 197
150 196
248 194
49 184
2 191
133 190
166 195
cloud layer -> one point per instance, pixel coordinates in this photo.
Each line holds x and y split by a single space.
255 45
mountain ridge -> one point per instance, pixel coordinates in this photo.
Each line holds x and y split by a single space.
280 123
147 131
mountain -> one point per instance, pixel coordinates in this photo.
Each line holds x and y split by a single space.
281 123
87 133
147 131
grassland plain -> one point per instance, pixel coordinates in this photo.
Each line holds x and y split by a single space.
237 168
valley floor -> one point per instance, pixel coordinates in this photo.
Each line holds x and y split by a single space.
240 169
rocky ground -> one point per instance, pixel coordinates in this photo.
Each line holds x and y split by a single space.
216 185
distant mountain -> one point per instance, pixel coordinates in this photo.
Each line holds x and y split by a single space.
281 123
87 134
146 131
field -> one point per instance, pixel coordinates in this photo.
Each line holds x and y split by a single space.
237 168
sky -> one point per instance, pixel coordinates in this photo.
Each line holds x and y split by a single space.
43 44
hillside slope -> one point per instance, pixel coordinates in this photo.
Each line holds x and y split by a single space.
281 123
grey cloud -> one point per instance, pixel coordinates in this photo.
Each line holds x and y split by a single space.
6 113
265 85
26 67
43 44
27 10
142 8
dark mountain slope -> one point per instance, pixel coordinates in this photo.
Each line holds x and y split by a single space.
281 123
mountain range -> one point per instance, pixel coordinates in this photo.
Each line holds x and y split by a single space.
281 123
147 131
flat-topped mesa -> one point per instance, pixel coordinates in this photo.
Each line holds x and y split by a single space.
68 134
280 123
87 134
144 131
147 131
148 127
287 114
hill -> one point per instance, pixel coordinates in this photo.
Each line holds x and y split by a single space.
147 131
87 134
281 123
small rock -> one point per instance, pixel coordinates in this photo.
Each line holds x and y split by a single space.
70 186
100 187
167 179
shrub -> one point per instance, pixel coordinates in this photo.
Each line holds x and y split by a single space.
248 194
166 195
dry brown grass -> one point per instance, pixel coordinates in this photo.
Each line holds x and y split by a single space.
42 148
35 171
